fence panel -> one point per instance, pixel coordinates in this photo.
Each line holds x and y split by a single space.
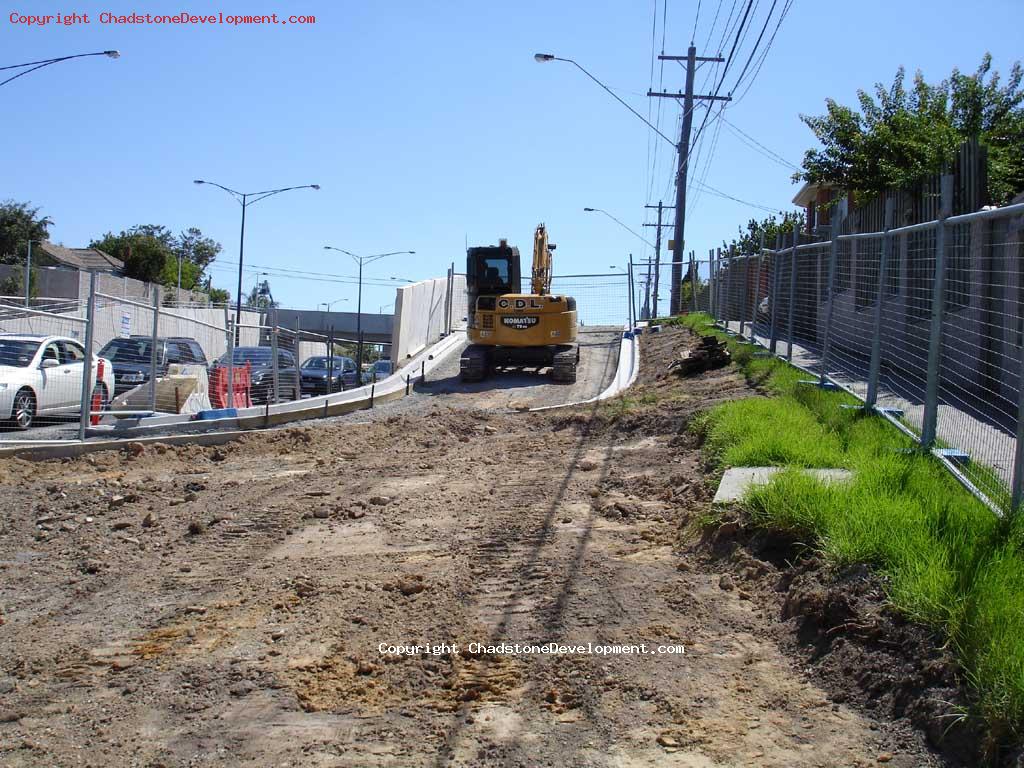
879 305
45 353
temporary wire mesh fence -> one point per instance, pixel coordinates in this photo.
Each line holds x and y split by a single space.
922 322
694 287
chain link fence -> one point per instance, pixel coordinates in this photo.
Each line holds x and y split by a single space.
923 323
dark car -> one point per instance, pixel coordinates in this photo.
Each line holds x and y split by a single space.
261 362
380 369
315 370
132 358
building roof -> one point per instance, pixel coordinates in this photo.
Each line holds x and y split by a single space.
87 259
809 193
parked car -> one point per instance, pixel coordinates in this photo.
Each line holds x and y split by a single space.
132 357
381 369
315 370
262 371
42 376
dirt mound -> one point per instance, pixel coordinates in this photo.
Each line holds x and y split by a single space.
849 641
863 651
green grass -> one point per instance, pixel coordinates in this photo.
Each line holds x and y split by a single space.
947 560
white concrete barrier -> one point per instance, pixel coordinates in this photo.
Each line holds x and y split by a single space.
625 373
421 315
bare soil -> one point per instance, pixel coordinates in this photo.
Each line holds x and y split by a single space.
187 606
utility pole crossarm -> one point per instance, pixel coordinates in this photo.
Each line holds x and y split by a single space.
682 95
663 57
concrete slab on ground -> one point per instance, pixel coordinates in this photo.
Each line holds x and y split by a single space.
738 480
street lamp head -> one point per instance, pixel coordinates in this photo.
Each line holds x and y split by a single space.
540 58
589 210
315 186
113 54
198 181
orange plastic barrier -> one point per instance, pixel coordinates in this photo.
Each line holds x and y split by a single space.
241 384
96 404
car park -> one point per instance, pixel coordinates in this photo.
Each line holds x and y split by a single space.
261 363
132 357
321 374
42 376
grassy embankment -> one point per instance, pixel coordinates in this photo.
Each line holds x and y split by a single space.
948 561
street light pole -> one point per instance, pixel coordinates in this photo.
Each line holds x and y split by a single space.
361 260
34 65
242 198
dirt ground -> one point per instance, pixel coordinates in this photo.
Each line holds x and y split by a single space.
252 604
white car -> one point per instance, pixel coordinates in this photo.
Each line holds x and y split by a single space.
42 376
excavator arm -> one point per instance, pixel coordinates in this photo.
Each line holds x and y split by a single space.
541 282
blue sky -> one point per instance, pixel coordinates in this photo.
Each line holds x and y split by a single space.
430 123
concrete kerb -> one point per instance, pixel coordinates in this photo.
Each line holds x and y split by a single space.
626 372
73 449
176 429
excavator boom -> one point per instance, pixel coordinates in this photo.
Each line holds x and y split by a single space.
541 282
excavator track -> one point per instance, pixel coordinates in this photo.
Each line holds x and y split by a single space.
475 363
563 364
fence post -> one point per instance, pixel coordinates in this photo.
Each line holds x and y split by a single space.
451 304
448 302
757 290
712 286
1017 480
876 337
90 323
629 287
774 298
273 359
153 358
229 325
744 285
792 292
693 280
931 396
833 262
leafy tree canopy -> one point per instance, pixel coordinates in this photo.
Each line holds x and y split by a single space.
19 223
749 238
899 135
151 252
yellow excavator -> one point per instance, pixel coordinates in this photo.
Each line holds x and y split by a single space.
512 329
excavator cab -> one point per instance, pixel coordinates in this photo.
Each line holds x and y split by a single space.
491 271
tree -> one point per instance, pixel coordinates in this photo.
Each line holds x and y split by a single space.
217 295
151 253
19 223
898 135
144 250
749 240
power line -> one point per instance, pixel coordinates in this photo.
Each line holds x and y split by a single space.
764 55
754 143
753 50
304 274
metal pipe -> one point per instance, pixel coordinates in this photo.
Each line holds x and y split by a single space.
154 340
876 336
931 397
86 402
792 293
